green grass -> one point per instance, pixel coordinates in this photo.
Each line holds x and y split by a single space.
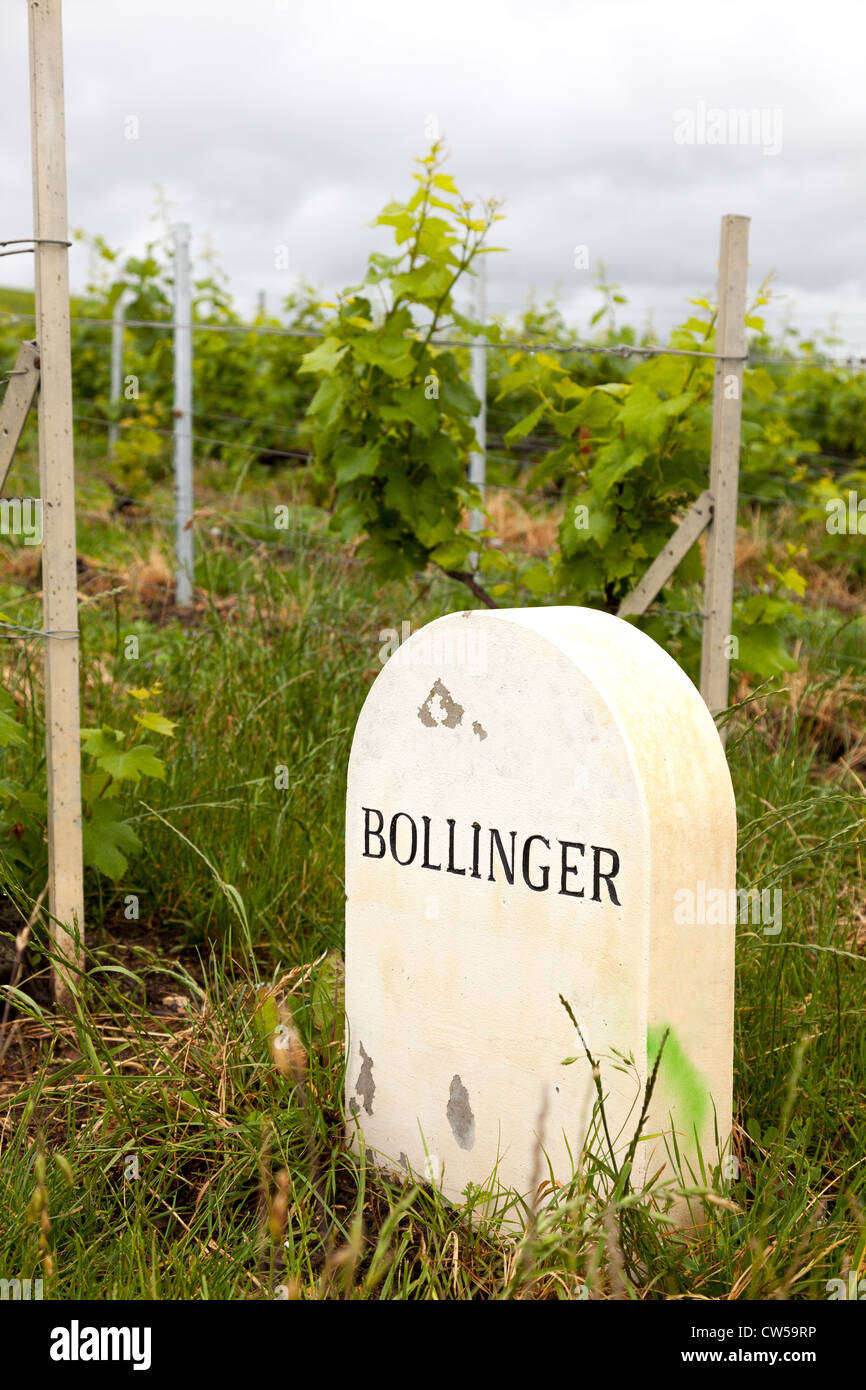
16 301
245 1187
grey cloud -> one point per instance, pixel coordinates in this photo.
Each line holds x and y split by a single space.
270 125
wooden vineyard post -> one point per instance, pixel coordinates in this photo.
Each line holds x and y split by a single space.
57 486
184 557
116 388
16 405
478 358
725 461
697 518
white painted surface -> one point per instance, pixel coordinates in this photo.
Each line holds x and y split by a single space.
569 724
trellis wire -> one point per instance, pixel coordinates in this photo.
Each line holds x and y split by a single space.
35 631
621 350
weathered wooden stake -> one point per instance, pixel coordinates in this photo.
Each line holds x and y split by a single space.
16 405
478 355
182 418
116 390
725 461
57 484
693 523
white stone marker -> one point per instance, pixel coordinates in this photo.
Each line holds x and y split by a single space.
528 792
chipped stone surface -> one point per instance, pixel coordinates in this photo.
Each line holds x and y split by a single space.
552 849
459 1113
440 708
365 1086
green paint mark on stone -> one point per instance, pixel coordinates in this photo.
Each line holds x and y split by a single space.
680 1077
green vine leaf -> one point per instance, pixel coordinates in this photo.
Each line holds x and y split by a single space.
107 841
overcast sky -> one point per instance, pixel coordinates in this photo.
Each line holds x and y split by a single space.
279 122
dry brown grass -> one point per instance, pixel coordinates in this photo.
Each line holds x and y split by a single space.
852 916
518 527
23 565
829 714
150 581
827 585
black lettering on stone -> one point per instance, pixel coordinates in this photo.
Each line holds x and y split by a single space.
597 875
476 844
393 836
451 869
537 877
570 868
545 868
368 831
496 842
426 864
